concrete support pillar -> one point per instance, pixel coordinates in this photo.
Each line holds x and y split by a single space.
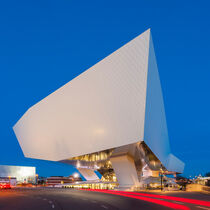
125 171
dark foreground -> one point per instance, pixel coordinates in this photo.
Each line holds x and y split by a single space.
63 199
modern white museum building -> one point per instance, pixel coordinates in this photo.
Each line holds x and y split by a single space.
111 118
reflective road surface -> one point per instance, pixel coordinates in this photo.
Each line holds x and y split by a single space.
70 199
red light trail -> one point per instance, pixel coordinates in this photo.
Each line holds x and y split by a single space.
152 200
185 200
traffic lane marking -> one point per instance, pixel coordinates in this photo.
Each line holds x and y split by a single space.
178 202
201 207
105 207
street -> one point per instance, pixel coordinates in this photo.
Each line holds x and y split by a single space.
63 199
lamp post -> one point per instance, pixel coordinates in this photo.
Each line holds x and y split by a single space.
9 179
161 178
37 179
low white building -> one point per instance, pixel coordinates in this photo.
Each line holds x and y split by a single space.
23 174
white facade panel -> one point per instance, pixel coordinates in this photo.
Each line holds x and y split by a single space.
102 108
174 164
155 132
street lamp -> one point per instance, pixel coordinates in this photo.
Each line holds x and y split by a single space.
76 175
161 178
9 179
37 179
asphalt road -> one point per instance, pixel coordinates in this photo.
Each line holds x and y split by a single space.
70 199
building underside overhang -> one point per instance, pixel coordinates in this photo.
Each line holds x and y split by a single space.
129 165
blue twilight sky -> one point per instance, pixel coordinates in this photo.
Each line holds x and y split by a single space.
45 44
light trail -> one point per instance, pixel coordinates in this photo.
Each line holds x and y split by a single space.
185 200
151 200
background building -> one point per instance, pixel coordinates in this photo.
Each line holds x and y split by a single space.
56 180
111 118
21 174
8 180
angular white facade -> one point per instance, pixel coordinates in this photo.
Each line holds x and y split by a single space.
116 102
